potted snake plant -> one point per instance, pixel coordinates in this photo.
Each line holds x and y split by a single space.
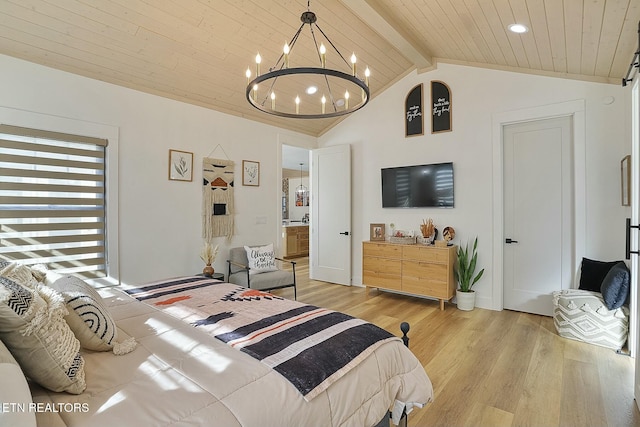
464 272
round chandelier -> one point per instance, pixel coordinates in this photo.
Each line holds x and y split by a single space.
309 92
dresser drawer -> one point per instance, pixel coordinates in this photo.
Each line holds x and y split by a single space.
425 270
382 272
382 280
386 250
382 265
421 286
425 253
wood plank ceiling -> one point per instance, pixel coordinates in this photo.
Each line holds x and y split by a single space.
197 51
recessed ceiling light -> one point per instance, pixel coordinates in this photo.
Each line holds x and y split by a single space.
311 90
518 28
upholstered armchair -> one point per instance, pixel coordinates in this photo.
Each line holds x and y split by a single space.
265 274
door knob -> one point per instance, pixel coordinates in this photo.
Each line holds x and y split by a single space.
510 241
346 233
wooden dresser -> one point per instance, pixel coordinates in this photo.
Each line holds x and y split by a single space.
414 269
296 241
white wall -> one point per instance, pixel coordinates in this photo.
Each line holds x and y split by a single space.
159 221
376 135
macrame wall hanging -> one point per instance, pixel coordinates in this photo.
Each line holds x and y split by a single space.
217 198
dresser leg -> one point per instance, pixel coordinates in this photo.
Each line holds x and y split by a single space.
442 305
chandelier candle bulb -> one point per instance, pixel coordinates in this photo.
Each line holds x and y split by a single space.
323 55
286 50
248 74
297 105
324 101
346 100
353 63
367 73
258 61
273 100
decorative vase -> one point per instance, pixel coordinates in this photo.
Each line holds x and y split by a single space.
466 300
208 270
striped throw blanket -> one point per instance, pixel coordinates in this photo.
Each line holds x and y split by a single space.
311 347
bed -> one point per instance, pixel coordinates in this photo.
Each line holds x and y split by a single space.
200 340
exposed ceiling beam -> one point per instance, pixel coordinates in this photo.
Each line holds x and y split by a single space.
383 25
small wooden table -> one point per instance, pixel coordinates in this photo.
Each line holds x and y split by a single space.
218 276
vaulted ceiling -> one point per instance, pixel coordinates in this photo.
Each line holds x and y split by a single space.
197 51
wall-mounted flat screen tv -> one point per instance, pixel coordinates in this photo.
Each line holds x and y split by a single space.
419 186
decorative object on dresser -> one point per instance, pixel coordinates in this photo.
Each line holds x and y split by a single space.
414 269
448 234
403 237
464 272
428 230
377 232
208 255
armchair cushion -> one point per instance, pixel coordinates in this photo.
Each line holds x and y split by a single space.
261 258
266 281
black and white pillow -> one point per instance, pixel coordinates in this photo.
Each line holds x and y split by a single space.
33 328
89 317
261 258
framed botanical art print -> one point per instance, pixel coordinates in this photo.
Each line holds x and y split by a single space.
180 165
250 173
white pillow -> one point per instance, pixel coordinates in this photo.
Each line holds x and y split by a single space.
88 316
15 392
261 258
32 327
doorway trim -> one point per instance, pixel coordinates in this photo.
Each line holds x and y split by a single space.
575 109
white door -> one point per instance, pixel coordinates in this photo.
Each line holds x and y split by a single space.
538 244
634 330
331 215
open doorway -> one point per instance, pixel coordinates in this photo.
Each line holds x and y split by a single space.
295 196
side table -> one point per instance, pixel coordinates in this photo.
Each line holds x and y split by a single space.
218 276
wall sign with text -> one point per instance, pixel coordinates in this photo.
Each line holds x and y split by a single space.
413 117
440 107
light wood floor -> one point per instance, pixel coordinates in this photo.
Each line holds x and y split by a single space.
492 368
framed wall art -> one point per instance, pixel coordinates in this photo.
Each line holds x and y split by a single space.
250 173
180 165
376 232
413 117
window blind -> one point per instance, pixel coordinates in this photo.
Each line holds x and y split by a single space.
52 200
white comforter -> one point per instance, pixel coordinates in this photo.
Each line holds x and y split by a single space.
180 376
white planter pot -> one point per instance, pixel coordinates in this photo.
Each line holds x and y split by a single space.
466 300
